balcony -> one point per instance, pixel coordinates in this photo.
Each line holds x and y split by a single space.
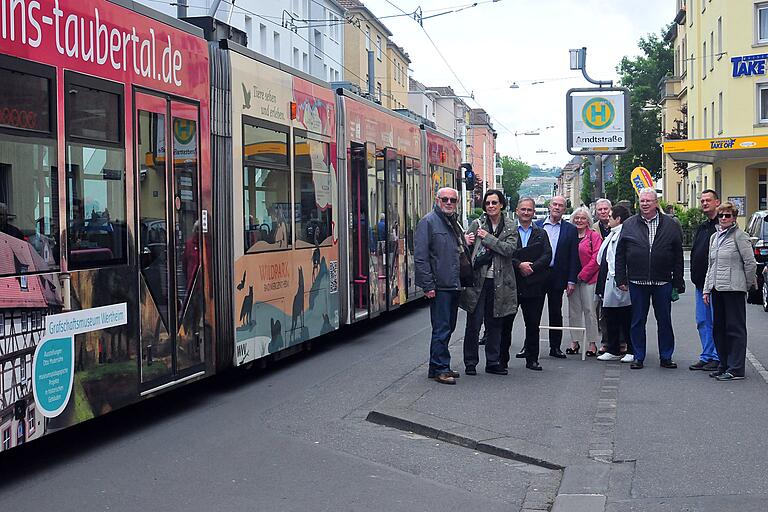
669 87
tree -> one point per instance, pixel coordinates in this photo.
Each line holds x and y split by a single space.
680 131
515 173
641 75
587 188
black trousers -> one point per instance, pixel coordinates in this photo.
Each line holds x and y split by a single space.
532 308
617 324
729 329
483 313
554 296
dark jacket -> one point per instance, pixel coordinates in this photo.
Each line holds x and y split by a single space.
436 253
700 251
503 247
533 285
566 267
636 261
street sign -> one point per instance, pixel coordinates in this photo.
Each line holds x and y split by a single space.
598 121
641 179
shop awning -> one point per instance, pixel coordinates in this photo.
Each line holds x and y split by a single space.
710 150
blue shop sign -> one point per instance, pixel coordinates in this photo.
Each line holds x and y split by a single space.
749 65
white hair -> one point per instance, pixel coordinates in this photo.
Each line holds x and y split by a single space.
447 188
581 210
648 190
603 200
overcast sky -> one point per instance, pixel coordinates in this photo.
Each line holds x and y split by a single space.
494 44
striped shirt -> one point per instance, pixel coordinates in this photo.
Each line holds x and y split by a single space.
653 225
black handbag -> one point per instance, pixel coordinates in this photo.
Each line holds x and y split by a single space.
466 272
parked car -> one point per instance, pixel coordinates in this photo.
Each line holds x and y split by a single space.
765 289
757 231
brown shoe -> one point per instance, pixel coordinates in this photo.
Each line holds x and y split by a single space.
453 374
445 378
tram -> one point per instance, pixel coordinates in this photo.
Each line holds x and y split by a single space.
172 207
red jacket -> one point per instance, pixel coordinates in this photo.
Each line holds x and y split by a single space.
588 248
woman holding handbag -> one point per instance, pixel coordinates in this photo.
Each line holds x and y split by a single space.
494 295
581 303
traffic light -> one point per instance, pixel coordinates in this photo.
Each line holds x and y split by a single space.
469 176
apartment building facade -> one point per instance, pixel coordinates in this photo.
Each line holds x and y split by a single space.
722 50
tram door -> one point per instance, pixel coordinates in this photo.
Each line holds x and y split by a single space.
169 240
395 221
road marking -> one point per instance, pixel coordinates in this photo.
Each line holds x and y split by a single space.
758 366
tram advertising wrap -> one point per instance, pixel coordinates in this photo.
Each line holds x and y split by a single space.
284 238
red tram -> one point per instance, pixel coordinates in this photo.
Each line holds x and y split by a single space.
150 237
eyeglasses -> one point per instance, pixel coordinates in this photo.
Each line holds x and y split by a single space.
491 203
452 200
725 215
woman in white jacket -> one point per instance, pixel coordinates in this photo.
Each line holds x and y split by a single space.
617 306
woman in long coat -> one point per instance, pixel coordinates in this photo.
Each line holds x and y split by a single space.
494 295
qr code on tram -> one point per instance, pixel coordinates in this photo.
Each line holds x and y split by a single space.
333 277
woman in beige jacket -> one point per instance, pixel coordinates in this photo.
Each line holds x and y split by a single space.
730 274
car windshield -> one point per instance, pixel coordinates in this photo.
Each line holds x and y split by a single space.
765 229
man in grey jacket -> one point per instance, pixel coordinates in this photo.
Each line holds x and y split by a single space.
439 241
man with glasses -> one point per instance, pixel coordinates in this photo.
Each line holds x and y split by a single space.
708 360
649 263
439 244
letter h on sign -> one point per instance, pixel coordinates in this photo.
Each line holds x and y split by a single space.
598 111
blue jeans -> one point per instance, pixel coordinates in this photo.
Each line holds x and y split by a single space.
443 310
704 325
641 296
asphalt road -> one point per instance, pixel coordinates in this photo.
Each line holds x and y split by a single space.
293 437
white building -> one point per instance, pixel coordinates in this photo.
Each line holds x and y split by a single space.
305 34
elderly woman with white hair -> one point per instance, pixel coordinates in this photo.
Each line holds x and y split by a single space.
581 303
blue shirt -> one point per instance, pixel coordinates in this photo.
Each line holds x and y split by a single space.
553 230
525 234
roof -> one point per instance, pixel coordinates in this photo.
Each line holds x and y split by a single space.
478 116
443 91
399 49
39 292
358 6
415 86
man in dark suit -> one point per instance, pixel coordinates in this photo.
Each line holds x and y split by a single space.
564 267
531 262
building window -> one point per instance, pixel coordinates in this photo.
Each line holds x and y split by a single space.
378 91
29 213
333 31
378 47
692 71
719 37
23 369
720 112
7 438
762 100
368 38
276 45
711 51
314 217
95 166
693 128
712 113
266 187
704 124
296 58
704 61
318 43
684 52
249 28
2 324
304 62
263 38
31 420
761 18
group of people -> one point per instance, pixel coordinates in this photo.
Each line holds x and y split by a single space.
611 271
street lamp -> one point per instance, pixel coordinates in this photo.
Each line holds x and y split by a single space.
579 61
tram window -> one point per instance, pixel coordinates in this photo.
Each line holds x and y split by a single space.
29 213
264 145
266 189
95 161
313 192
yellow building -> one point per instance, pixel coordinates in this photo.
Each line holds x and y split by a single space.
363 32
721 54
397 77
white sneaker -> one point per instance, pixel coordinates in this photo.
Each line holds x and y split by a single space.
607 356
629 358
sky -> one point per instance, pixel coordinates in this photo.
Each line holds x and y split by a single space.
494 44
